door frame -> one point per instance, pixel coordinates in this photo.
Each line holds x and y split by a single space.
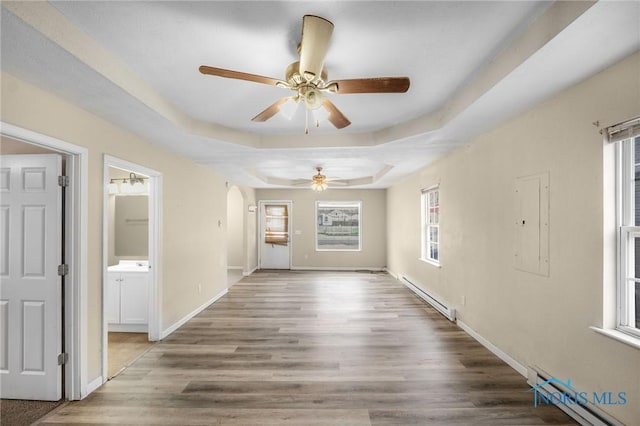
76 384
155 272
261 204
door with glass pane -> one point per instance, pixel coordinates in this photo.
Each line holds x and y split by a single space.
275 233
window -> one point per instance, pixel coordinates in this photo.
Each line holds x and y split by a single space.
431 225
628 206
276 224
338 226
627 136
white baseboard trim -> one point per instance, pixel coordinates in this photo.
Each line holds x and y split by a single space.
493 348
484 342
337 268
432 299
584 412
93 385
191 314
246 274
390 272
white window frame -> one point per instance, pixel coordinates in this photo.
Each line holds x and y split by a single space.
627 232
339 204
428 225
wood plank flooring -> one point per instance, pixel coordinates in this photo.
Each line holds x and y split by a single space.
315 348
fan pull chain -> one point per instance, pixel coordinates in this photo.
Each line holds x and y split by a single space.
306 121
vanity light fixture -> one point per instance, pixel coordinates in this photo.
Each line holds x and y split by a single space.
132 185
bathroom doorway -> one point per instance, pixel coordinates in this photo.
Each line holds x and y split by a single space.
130 259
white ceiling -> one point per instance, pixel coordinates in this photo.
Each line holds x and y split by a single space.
472 66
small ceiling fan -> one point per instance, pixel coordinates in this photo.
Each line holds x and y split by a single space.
309 80
319 182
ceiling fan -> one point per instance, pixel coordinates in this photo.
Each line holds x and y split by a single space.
309 80
319 182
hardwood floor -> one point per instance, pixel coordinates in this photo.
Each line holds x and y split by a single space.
315 348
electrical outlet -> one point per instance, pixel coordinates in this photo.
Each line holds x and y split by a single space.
463 300
199 288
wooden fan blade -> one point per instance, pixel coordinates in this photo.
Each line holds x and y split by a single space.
335 116
308 182
371 85
221 72
316 33
271 110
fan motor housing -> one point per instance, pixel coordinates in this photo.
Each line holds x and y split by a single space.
293 77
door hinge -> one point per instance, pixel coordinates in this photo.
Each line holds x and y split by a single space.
63 358
63 269
63 181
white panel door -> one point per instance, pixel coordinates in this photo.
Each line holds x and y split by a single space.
275 235
30 288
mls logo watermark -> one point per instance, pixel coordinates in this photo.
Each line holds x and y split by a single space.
570 396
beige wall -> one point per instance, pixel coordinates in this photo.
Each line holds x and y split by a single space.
12 146
303 219
192 244
537 320
247 250
250 230
235 228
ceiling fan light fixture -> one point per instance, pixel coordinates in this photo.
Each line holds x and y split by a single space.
319 188
289 108
312 98
319 181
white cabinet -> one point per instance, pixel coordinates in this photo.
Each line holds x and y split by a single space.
134 298
127 304
112 311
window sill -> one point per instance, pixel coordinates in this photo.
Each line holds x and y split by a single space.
431 262
336 250
619 336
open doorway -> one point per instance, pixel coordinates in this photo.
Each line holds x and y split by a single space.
130 253
71 383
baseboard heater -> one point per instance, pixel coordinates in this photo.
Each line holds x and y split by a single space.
571 402
439 305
